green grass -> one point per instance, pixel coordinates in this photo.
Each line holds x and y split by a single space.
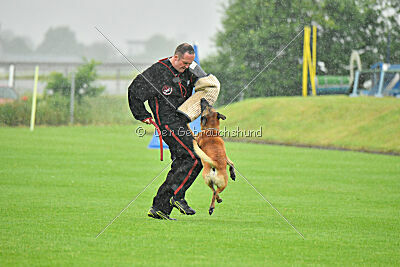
326 80
60 186
362 123
106 110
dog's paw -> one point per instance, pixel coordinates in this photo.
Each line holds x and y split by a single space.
210 211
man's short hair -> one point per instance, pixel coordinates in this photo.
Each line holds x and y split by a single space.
184 48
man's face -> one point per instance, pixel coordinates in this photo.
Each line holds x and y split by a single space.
181 64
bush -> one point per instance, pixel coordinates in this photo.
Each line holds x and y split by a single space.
16 113
53 110
86 74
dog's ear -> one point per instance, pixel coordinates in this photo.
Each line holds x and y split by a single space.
203 120
220 116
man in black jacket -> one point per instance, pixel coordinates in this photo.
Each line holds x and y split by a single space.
166 85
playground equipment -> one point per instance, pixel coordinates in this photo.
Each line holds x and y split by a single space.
331 85
321 85
355 56
381 80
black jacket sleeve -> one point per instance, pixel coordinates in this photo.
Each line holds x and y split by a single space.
139 92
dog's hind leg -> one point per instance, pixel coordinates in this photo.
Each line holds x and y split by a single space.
210 184
231 168
219 190
212 206
222 186
219 199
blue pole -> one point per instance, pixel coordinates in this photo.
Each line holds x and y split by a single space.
379 93
195 125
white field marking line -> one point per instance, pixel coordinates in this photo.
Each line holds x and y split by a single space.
264 68
133 200
266 200
130 62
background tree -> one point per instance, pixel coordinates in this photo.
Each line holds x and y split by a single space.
254 31
13 45
60 41
101 51
59 85
156 47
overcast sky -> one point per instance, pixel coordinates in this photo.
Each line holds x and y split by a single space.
119 20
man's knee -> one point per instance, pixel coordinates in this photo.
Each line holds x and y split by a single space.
197 160
192 165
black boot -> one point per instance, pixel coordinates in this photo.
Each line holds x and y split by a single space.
158 214
182 206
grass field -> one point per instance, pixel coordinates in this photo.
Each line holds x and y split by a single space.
361 123
59 187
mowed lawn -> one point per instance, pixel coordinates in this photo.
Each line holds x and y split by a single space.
59 187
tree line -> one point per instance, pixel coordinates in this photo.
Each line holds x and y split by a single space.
62 41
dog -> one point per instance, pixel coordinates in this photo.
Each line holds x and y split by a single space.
210 147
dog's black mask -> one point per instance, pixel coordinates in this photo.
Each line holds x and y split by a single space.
203 121
204 104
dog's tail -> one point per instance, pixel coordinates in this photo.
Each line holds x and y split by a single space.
229 162
231 168
202 154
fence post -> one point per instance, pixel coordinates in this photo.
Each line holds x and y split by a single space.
118 77
72 102
33 112
11 76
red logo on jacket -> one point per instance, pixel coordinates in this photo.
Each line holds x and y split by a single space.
167 90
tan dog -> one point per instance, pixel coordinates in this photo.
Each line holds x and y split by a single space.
211 149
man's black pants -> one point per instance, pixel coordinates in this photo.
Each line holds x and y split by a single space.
185 167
